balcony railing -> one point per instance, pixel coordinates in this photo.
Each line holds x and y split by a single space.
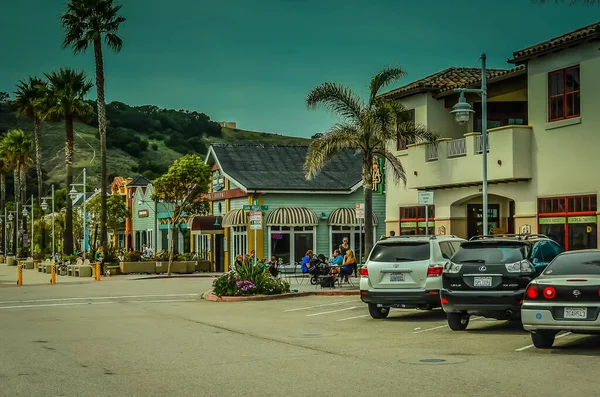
479 144
457 147
431 152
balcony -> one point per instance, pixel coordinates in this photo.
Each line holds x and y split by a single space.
457 162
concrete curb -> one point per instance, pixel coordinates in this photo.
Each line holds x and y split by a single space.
175 276
209 296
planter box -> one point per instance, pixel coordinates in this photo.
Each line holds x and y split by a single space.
137 267
10 261
203 266
176 267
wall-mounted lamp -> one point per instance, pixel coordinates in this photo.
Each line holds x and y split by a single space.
499 162
217 220
323 216
416 173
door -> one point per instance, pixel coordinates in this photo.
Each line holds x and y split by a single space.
475 219
219 253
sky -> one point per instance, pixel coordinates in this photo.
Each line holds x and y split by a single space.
253 62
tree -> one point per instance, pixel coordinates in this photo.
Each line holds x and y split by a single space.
367 127
317 135
87 22
4 97
29 101
181 188
117 212
65 99
16 149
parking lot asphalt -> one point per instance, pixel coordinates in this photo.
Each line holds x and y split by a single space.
156 338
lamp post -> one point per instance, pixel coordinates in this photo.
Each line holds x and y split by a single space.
462 111
3 221
16 218
73 193
44 208
25 213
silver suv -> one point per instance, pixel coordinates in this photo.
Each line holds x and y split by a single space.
405 272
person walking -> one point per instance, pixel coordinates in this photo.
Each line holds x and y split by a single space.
99 257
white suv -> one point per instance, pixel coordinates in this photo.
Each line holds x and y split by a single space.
405 272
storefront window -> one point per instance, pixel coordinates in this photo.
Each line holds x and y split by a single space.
186 240
291 243
239 242
356 239
583 235
280 246
164 239
413 222
302 242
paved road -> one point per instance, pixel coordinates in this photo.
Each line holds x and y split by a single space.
156 338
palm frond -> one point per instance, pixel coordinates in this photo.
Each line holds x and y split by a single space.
414 133
336 98
393 164
334 141
385 77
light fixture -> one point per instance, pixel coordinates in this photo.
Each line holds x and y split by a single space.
140 203
25 212
73 192
10 217
323 215
217 221
462 110
44 205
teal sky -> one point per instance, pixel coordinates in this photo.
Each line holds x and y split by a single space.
254 61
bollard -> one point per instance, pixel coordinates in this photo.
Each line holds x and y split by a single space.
19 274
98 271
53 274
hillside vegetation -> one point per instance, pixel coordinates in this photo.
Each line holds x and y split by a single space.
141 140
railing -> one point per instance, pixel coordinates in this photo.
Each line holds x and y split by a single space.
431 153
457 147
479 144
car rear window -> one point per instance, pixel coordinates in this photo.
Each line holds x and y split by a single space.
574 263
403 251
490 252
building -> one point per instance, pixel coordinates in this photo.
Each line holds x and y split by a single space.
302 215
542 141
128 187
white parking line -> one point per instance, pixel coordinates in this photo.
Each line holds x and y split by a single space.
332 311
95 298
442 326
56 304
352 318
312 307
530 346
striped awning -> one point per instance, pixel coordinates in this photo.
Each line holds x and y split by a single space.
292 217
346 217
235 218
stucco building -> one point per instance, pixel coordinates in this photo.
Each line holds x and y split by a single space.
542 147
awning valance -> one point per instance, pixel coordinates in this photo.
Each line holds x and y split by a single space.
346 217
206 224
235 218
292 217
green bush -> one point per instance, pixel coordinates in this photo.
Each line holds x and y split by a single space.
249 280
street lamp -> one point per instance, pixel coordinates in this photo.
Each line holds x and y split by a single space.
16 218
44 208
25 213
73 193
462 112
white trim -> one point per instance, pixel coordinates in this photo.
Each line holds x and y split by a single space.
354 230
210 150
291 232
303 191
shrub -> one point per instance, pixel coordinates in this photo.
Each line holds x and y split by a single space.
133 256
249 280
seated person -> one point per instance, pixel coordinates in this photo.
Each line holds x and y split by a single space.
306 261
274 266
336 263
349 264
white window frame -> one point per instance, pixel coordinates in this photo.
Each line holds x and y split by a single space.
353 230
202 244
238 243
291 232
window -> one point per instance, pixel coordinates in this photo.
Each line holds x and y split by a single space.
356 239
291 243
412 220
490 252
543 252
570 221
501 114
587 263
239 242
202 246
408 251
401 142
446 250
564 94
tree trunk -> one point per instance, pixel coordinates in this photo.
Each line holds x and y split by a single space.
68 234
368 189
23 183
38 168
172 251
16 183
102 132
2 199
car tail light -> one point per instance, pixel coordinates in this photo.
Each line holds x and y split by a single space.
364 272
519 267
434 271
444 301
532 292
549 292
452 267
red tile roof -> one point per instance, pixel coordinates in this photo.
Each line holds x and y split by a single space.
449 79
588 33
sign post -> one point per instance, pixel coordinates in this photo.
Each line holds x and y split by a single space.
426 199
255 224
360 217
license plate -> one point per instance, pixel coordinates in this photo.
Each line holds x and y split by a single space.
578 313
396 276
482 281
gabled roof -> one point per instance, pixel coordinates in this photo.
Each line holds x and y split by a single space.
78 202
446 80
281 168
588 33
139 181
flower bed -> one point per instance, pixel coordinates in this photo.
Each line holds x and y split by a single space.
249 280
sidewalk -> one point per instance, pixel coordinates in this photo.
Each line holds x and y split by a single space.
304 285
8 277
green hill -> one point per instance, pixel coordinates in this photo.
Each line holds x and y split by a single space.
141 140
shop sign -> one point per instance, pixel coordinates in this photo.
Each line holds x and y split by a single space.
582 219
429 224
408 224
218 181
378 175
561 220
256 220
142 213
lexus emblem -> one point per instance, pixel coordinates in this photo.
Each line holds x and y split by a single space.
396 265
482 268
576 293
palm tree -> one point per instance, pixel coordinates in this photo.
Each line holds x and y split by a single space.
67 89
87 22
367 127
4 170
16 148
29 100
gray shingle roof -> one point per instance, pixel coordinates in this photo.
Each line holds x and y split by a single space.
139 181
272 167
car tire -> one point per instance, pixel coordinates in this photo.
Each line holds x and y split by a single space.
378 313
543 339
457 321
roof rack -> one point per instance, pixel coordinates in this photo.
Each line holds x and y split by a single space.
519 236
431 236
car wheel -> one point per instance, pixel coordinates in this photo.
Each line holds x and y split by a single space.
378 312
543 339
457 321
